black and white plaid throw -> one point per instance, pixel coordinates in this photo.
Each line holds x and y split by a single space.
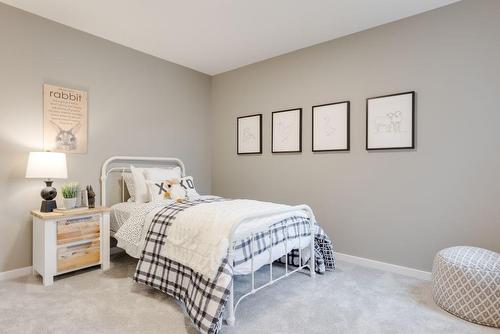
324 255
204 298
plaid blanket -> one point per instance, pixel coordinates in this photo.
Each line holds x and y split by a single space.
204 299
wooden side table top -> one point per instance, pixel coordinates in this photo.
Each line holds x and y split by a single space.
55 215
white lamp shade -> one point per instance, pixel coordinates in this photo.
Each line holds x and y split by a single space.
46 165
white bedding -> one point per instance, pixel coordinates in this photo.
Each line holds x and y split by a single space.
121 212
131 235
209 224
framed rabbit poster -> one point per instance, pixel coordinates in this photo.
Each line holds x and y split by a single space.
64 119
390 122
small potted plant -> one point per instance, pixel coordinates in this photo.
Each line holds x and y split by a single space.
69 192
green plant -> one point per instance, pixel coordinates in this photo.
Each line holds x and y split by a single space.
70 190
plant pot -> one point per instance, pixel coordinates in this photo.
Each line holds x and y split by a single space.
69 203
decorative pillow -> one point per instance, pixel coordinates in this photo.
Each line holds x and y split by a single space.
140 187
157 189
140 175
188 184
129 183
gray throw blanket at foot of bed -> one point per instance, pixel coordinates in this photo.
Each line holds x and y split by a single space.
204 298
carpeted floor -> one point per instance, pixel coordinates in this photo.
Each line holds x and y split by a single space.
351 300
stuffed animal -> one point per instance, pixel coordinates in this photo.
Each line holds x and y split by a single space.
174 190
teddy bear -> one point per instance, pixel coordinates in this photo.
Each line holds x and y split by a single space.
174 190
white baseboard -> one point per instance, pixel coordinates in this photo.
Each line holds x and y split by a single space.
5 275
420 274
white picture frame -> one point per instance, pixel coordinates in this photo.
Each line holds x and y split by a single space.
331 127
249 134
390 121
286 131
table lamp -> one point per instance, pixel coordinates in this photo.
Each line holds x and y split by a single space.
48 166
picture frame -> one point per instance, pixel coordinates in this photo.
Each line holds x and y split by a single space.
390 122
249 134
65 119
286 131
331 127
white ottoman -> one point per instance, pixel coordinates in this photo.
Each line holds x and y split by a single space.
466 283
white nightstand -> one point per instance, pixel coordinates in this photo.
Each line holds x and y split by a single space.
64 242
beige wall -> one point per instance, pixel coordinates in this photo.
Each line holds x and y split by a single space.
138 105
398 207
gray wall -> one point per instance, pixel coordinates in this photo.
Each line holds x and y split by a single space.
397 207
138 105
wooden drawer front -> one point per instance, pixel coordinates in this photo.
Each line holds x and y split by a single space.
72 230
78 256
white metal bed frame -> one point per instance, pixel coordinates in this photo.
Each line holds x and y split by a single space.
231 303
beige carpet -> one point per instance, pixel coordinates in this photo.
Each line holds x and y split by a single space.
351 300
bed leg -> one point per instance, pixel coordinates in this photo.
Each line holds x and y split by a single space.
230 306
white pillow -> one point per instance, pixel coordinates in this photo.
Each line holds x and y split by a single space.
129 183
140 187
159 174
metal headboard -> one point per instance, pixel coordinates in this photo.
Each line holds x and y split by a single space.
121 164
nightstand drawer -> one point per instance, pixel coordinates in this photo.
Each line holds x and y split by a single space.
78 256
72 230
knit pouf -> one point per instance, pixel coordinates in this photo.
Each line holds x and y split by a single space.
466 283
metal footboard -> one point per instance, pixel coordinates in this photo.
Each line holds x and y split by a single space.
232 304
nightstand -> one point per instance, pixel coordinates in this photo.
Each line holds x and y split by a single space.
68 241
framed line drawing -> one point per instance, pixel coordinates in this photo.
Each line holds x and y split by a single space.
390 121
249 134
330 127
286 131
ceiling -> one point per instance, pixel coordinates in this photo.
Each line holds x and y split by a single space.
214 36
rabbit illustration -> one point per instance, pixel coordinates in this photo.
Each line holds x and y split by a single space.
66 139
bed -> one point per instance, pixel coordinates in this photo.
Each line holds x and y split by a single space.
193 249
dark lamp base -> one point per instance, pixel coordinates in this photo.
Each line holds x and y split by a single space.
48 194
48 206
